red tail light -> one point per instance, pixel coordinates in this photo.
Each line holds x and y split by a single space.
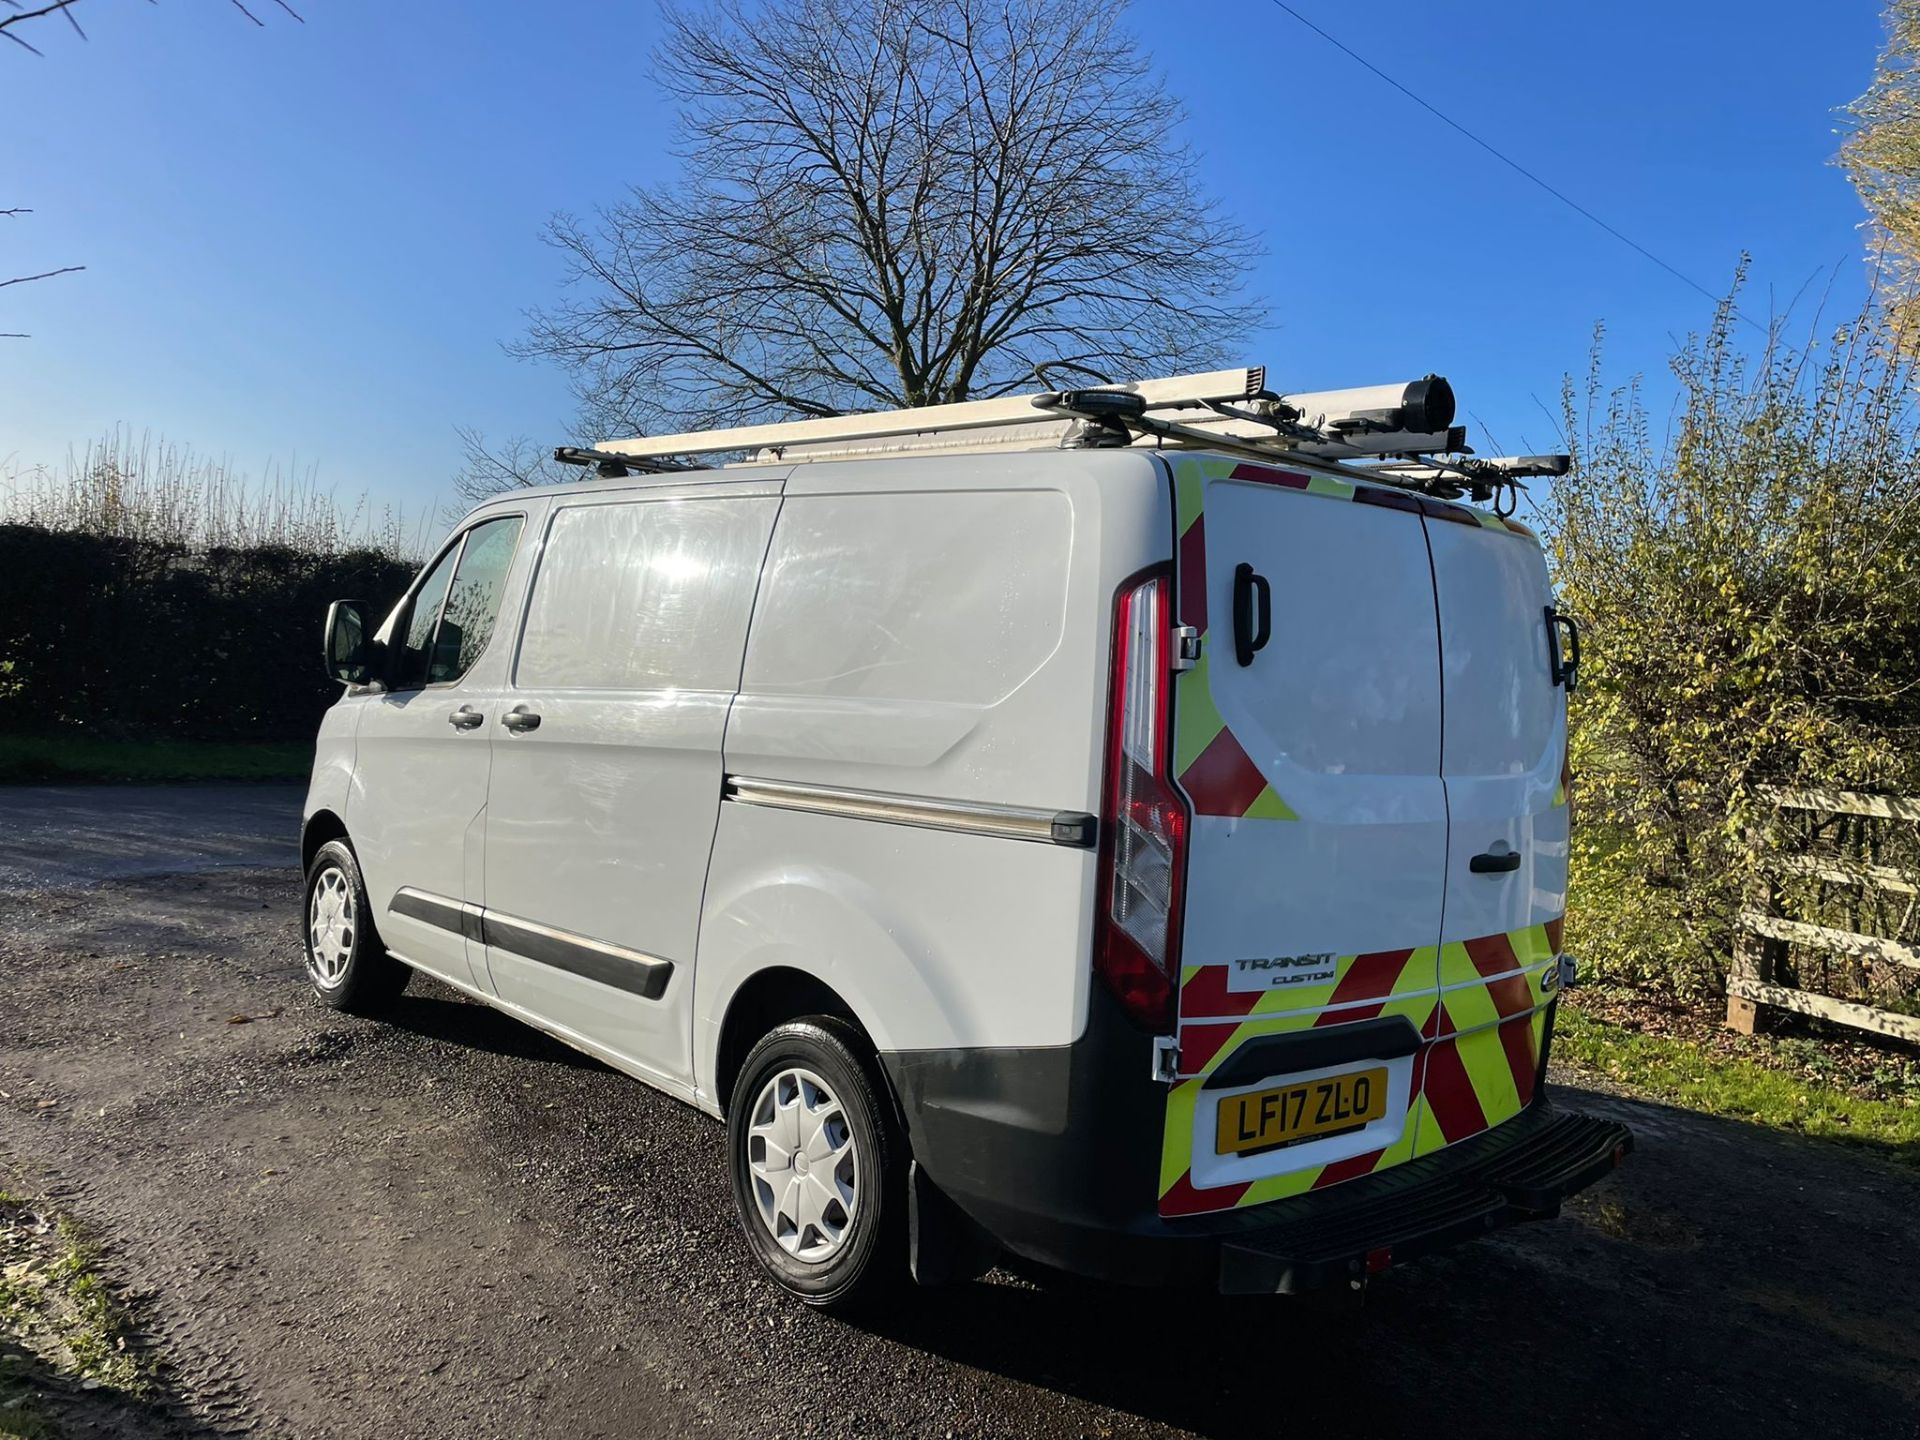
1144 825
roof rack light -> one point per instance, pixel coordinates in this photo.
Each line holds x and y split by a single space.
1094 404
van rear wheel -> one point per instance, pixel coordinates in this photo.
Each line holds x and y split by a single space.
348 966
817 1162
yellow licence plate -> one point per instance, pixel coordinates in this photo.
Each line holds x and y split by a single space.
1268 1119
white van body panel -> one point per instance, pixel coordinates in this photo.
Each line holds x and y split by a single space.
600 821
1506 731
333 753
946 638
1340 714
933 939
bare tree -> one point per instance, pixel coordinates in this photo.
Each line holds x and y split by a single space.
895 202
486 470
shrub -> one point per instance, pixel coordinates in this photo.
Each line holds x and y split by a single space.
144 592
1750 588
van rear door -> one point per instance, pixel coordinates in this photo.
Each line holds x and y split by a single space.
1317 864
1506 736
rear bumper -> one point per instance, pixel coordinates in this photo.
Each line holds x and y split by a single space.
1520 1171
1054 1153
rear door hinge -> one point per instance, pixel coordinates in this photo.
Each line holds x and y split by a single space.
1186 647
1166 1058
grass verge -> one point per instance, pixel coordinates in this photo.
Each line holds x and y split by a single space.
1773 1086
52 759
60 1324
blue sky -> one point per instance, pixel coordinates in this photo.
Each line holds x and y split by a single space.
305 242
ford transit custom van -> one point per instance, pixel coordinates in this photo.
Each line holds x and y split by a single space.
1110 835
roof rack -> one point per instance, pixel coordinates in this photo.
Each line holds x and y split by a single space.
1404 430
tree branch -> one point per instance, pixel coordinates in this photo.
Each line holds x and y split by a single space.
43 275
64 8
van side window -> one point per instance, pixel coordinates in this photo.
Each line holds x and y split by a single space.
443 640
644 595
410 673
474 601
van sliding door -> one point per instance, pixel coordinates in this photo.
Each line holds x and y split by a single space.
607 768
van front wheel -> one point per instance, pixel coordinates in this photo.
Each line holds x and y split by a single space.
348 966
816 1162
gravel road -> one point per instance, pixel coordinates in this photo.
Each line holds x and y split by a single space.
451 1226
75 834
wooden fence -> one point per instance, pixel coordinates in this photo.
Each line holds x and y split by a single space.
1765 933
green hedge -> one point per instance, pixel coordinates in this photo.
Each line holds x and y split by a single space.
131 638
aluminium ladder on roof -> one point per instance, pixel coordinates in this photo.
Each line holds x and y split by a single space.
1407 425
1194 392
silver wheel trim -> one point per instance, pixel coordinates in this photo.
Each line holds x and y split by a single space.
803 1166
330 927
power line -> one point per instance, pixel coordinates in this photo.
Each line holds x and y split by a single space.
1505 159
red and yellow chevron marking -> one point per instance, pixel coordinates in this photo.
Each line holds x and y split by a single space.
1487 1032
1358 985
1483 1028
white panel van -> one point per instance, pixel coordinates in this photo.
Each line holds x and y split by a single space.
1146 861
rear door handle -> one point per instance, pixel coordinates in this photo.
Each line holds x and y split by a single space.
1490 862
466 718
520 719
1250 631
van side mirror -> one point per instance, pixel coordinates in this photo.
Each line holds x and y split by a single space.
349 648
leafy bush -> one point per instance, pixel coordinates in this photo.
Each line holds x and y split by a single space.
1750 587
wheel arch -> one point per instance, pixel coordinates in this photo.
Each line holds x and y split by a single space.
763 1000
320 827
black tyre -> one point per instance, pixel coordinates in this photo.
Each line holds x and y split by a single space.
349 968
818 1162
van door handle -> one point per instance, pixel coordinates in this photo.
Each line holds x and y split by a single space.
1248 587
466 718
520 719
1563 660
1491 862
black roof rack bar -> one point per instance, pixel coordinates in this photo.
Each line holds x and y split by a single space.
612 466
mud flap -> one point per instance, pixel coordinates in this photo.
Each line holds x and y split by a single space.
944 1247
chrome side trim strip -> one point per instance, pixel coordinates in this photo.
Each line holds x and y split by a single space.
631 970
973 817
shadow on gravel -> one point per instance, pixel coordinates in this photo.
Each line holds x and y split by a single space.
1728 1280
36 1400
459 1021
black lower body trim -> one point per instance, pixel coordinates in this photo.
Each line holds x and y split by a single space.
643 975
439 911
615 965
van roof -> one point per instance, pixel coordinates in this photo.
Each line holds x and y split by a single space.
780 470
